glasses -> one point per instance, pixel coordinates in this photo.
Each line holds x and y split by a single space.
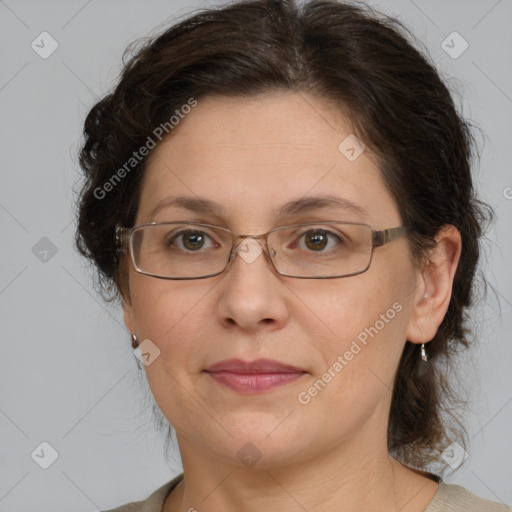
313 250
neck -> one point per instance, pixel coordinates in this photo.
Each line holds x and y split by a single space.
353 477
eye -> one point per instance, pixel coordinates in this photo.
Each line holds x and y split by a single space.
189 240
318 239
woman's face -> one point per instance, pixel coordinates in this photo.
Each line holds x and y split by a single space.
251 156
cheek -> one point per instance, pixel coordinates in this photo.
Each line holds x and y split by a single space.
172 316
366 318
159 305
359 358
348 306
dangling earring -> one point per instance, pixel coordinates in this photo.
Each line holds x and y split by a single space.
423 353
135 341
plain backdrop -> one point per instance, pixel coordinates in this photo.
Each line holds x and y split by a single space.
68 376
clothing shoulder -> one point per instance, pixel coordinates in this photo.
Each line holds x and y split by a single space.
455 498
449 498
153 503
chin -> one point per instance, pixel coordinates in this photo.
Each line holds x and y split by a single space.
257 441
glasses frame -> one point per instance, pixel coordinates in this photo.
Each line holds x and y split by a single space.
124 243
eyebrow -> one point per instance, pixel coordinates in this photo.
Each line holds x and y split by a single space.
294 207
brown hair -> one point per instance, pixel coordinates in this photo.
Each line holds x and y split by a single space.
400 107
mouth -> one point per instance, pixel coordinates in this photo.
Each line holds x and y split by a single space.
255 376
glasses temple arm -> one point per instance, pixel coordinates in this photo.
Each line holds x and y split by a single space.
388 235
122 238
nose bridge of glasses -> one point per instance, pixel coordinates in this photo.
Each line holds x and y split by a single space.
249 247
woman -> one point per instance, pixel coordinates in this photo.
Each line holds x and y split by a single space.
301 362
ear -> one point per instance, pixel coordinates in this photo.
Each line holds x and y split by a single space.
434 286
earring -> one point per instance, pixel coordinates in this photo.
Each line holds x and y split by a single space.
135 341
423 353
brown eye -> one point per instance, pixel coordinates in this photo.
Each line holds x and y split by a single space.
188 240
317 240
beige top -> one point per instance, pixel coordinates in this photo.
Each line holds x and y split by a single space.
448 498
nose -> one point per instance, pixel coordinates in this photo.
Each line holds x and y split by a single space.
252 294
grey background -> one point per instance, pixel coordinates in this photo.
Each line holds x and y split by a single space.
67 372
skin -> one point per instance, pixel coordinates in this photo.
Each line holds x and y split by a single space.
252 155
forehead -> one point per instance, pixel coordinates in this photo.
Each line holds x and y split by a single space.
252 155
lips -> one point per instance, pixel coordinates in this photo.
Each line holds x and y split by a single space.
257 366
254 376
